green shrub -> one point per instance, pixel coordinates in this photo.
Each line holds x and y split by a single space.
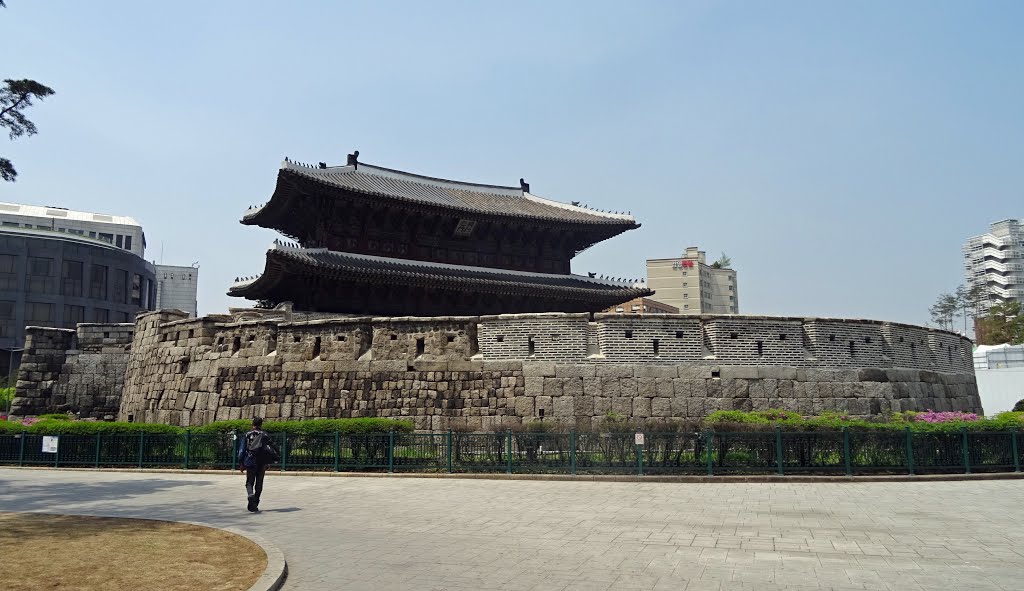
1019 407
57 416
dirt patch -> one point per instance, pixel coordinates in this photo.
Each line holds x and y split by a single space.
89 553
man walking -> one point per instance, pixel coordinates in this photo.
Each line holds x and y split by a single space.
255 453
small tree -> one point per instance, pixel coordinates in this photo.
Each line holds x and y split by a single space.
723 262
1003 324
944 311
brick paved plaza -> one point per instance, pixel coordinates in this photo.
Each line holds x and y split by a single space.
421 533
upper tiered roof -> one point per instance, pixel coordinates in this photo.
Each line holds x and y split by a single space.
417 190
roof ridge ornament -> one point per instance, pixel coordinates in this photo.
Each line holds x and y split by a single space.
525 186
353 160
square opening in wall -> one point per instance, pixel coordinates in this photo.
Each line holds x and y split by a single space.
451 338
628 334
734 335
782 336
394 337
679 334
832 338
715 374
867 340
420 346
296 339
341 338
500 338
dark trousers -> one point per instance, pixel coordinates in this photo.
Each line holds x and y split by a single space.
254 482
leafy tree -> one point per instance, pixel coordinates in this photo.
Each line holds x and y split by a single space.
1003 324
723 262
944 311
15 97
969 299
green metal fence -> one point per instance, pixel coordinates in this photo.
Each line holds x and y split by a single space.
706 453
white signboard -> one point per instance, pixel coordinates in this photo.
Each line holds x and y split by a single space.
639 438
50 444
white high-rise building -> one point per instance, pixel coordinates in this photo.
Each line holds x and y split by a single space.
995 261
176 288
692 285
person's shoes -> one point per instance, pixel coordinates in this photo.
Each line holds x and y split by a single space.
251 507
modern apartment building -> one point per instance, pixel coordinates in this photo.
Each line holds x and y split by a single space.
693 286
176 288
995 261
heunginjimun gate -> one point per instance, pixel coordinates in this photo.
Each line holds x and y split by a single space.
372 240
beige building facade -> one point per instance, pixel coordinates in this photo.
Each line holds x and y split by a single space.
692 285
642 306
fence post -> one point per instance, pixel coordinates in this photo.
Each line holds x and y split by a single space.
56 456
639 460
448 445
967 454
337 450
21 450
188 445
707 450
391 451
778 448
846 451
98 435
142 443
284 451
572 451
508 456
910 452
1016 456
234 451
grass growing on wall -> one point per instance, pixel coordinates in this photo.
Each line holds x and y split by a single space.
60 425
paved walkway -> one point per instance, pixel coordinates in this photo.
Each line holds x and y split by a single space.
404 533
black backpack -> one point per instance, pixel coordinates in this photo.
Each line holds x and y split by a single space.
258 446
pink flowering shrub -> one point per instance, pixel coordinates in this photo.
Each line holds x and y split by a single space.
28 421
930 416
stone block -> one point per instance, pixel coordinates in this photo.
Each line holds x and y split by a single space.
576 370
545 403
534 386
611 387
663 387
735 388
646 387
623 406
776 373
614 370
564 406
661 407
524 407
553 386
538 369
655 371
744 372
641 408
572 387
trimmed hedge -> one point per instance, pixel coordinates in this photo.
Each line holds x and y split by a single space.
767 420
54 426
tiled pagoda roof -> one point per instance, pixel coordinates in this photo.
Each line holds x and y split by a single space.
287 261
490 200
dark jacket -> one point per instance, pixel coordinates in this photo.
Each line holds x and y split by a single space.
245 459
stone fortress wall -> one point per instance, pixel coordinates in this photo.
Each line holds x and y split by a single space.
501 371
80 370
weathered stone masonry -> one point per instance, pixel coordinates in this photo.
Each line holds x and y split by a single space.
498 371
79 370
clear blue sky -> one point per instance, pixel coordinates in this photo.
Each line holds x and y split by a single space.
840 154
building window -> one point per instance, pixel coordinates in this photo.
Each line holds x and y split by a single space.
8 271
7 319
119 286
73 278
40 275
98 282
686 306
107 237
38 314
9 224
73 315
127 242
136 289
92 234
100 315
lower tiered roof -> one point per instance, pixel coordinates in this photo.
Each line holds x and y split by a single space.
332 281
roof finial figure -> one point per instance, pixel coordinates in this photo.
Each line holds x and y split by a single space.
353 159
525 186
591 275
323 165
